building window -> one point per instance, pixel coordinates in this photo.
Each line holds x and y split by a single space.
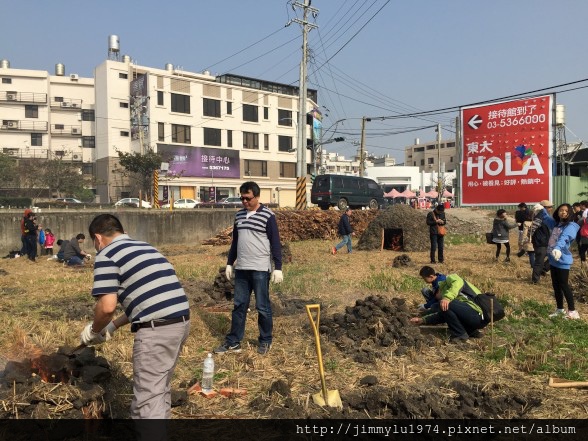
229 108
431 146
6 80
212 136
31 111
430 160
414 164
419 149
266 142
250 140
450 144
59 126
250 113
181 133
287 169
285 117
124 133
211 107
124 105
159 98
36 139
88 115
451 159
255 168
422 162
89 141
124 76
58 99
180 103
88 169
229 138
284 143
266 113
160 131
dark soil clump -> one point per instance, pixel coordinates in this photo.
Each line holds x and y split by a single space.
372 324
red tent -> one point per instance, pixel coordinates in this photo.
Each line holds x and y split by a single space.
393 194
432 194
447 194
407 194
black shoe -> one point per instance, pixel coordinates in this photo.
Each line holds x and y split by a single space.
432 261
476 334
521 253
507 259
459 339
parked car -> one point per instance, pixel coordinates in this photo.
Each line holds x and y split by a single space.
183 203
233 200
69 200
132 202
346 191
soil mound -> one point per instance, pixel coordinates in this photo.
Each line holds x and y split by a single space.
372 324
408 222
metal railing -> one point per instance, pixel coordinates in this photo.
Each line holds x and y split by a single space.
23 125
23 97
66 130
66 103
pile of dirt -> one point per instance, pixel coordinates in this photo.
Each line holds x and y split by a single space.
407 221
371 325
459 400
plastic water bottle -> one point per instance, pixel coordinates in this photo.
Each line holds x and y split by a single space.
207 374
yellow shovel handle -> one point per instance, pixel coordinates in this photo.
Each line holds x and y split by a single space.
315 326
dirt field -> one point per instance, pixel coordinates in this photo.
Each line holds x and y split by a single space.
382 366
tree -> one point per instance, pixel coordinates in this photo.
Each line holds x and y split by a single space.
141 167
8 171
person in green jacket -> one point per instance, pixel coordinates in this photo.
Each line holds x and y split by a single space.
456 308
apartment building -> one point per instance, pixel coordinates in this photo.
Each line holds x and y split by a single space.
214 132
44 116
426 155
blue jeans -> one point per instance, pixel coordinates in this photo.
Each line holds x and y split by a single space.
247 281
460 317
345 240
74 261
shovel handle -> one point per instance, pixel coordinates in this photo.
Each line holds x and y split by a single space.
317 340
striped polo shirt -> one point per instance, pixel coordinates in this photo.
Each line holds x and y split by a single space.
144 281
256 241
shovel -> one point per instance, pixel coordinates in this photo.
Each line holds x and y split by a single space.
326 397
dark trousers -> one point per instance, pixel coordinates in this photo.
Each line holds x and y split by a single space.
506 246
460 317
541 265
437 244
561 287
582 249
31 246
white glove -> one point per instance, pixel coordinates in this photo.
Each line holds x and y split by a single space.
277 276
89 337
537 208
108 331
229 272
556 254
88 257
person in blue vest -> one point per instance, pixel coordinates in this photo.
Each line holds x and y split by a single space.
256 243
432 294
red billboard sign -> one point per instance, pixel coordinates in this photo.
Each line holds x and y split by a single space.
506 154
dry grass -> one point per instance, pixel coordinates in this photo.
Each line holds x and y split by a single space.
44 306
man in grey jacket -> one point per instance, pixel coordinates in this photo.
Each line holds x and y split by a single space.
73 255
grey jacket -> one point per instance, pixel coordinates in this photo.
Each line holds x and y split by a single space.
500 229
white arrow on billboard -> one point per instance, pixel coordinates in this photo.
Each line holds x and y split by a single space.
475 122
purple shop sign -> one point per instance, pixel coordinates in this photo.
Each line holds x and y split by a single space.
201 162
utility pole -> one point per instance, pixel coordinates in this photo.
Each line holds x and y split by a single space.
458 150
362 146
439 181
302 92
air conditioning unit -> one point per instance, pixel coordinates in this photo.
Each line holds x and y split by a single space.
74 77
74 105
11 96
65 104
76 131
9 124
76 156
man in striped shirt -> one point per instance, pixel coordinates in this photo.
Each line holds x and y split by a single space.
137 276
256 242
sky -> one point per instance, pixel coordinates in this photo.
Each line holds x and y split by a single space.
368 58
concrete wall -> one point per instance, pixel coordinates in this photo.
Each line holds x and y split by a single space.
158 228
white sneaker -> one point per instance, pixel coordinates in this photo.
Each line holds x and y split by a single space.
573 315
558 313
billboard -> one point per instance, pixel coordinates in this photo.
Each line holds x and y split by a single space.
200 162
139 108
506 152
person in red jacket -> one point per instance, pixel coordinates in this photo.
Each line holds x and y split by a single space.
49 241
